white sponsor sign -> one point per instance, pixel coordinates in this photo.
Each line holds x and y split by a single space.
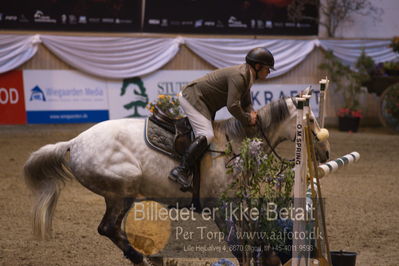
263 93
127 98
63 90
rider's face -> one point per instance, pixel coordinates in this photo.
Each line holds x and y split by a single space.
263 71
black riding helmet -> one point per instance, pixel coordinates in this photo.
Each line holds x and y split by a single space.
260 55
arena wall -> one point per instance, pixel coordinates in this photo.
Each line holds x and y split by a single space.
305 73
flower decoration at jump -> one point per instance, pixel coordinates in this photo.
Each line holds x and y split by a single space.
168 105
260 180
346 112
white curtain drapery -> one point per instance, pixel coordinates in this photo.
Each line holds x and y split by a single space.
113 57
16 50
349 50
227 52
124 57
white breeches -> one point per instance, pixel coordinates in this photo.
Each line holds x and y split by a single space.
201 125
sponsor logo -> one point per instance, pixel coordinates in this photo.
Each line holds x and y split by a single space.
40 17
210 23
11 18
171 88
9 96
23 19
175 23
260 24
154 21
107 20
64 19
72 19
37 94
38 14
125 21
164 23
235 23
253 23
219 24
82 20
198 23
138 98
290 24
94 20
187 23
303 25
268 24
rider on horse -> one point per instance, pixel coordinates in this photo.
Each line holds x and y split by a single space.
201 98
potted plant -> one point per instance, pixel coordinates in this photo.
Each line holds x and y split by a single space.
348 120
349 83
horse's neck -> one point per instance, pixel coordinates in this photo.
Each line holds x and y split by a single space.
229 132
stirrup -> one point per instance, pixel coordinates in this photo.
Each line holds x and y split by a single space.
185 186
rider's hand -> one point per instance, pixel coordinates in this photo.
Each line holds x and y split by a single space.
253 115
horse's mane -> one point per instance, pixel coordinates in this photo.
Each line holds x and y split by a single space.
271 116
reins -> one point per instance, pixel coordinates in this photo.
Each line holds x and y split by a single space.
224 153
259 125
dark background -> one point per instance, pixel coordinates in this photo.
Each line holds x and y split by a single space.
74 15
263 17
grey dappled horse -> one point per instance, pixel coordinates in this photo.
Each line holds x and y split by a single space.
112 159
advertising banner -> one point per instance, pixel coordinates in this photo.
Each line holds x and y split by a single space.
268 17
77 15
64 96
12 103
128 98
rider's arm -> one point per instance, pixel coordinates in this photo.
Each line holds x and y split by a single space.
246 102
236 85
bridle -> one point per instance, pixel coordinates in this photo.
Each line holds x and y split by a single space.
282 160
264 135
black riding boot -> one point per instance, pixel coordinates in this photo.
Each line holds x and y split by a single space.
194 152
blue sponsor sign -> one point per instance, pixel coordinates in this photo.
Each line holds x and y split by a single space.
60 117
64 96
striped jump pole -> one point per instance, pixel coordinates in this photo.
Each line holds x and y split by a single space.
334 165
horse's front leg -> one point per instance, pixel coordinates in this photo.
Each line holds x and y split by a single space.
110 227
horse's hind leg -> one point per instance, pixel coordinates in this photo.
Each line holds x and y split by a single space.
111 224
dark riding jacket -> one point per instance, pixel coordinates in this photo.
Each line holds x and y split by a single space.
223 87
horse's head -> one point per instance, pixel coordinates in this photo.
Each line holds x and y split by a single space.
278 121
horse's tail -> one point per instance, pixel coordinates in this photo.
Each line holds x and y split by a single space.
45 174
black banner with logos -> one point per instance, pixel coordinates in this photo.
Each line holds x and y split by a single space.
263 17
74 15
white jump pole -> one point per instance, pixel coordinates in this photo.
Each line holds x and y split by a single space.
323 92
334 165
298 258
